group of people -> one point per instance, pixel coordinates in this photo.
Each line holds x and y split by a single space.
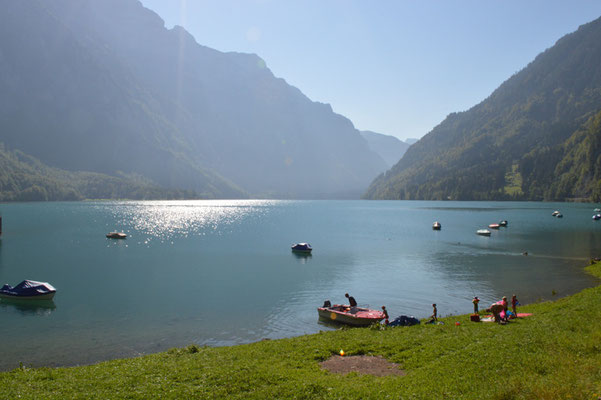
500 309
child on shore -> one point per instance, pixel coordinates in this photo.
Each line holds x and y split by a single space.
386 322
476 301
434 316
514 306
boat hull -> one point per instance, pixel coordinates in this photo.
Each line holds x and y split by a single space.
363 316
44 296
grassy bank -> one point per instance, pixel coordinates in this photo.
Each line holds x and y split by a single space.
555 354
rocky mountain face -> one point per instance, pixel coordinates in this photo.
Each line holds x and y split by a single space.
521 141
103 86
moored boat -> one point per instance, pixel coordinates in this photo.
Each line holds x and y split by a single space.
436 226
342 314
555 213
597 217
494 226
503 223
483 232
116 235
28 290
302 248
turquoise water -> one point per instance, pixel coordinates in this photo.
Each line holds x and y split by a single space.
222 273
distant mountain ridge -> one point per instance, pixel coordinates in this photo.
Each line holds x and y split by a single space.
103 86
390 148
522 142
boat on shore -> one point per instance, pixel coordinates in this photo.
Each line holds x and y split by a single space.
116 235
28 290
483 232
342 314
302 248
436 226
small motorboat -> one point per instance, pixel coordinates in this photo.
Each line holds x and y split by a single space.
555 213
342 314
597 217
560 215
503 223
302 248
597 210
116 235
483 232
494 226
436 226
28 290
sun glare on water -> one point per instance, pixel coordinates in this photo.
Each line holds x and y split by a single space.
167 220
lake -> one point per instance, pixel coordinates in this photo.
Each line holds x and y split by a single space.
221 272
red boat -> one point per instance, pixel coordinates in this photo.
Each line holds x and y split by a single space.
342 314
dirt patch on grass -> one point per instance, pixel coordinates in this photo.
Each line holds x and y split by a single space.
369 365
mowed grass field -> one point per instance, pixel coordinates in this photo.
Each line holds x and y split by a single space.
554 354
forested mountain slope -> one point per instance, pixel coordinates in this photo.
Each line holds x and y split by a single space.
24 178
520 142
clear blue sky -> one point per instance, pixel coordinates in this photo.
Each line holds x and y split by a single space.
392 66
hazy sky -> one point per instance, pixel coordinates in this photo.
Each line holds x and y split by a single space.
392 66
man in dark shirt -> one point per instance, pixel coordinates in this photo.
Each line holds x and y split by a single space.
352 302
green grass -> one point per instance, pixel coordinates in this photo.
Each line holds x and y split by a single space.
555 354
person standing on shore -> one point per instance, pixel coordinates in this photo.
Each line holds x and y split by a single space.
514 306
434 316
385 315
476 301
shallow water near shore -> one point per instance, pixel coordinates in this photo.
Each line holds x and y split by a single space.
221 272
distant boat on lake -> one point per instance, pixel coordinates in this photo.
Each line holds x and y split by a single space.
503 223
28 290
494 226
436 226
555 213
483 232
302 248
116 235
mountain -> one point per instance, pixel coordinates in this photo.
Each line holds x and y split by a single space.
535 131
24 178
390 148
411 141
103 86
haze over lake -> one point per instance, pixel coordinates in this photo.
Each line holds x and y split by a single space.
221 272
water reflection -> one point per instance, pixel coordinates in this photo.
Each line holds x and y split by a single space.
29 307
302 258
